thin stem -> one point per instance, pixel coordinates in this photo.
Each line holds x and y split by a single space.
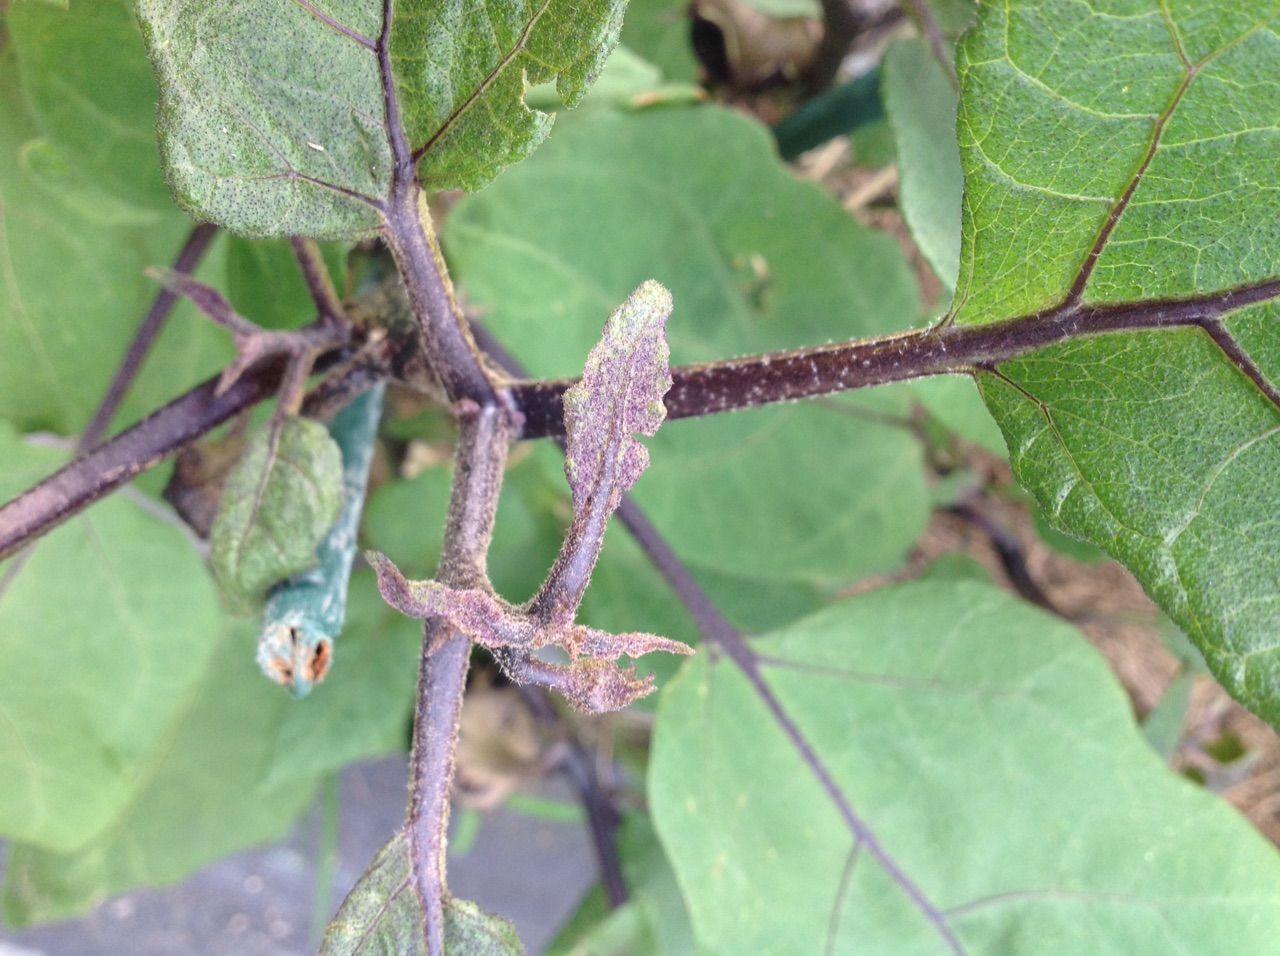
717 631
1010 552
189 257
319 283
711 623
929 26
485 434
580 769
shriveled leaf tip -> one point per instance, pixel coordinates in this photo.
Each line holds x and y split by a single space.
620 395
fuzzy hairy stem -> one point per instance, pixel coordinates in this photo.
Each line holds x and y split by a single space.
316 275
445 337
485 434
722 386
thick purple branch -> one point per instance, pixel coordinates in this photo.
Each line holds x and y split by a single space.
485 434
785 376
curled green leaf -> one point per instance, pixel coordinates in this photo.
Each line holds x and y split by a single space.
305 614
277 506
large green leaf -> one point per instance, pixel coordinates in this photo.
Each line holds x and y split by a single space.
659 31
696 198
79 222
231 765
280 118
195 798
86 79
1127 157
922 114
106 626
939 768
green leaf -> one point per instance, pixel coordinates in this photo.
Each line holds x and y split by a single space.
1163 725
940 768
1130 161
72 291
85 76
105 628
194 799
922 114
273 116
697 199
470 126
658 30
381 915
628 81
233 764
277 505
956 403
653 922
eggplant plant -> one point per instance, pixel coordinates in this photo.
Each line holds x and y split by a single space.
376 243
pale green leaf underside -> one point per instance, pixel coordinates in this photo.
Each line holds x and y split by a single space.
755 260
922 114
273 118
1147 133
998 799
103 630
381 916
83 210
232 767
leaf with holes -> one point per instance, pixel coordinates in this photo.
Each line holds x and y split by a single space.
279 118
276 507
1120 188
892 776
791 498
